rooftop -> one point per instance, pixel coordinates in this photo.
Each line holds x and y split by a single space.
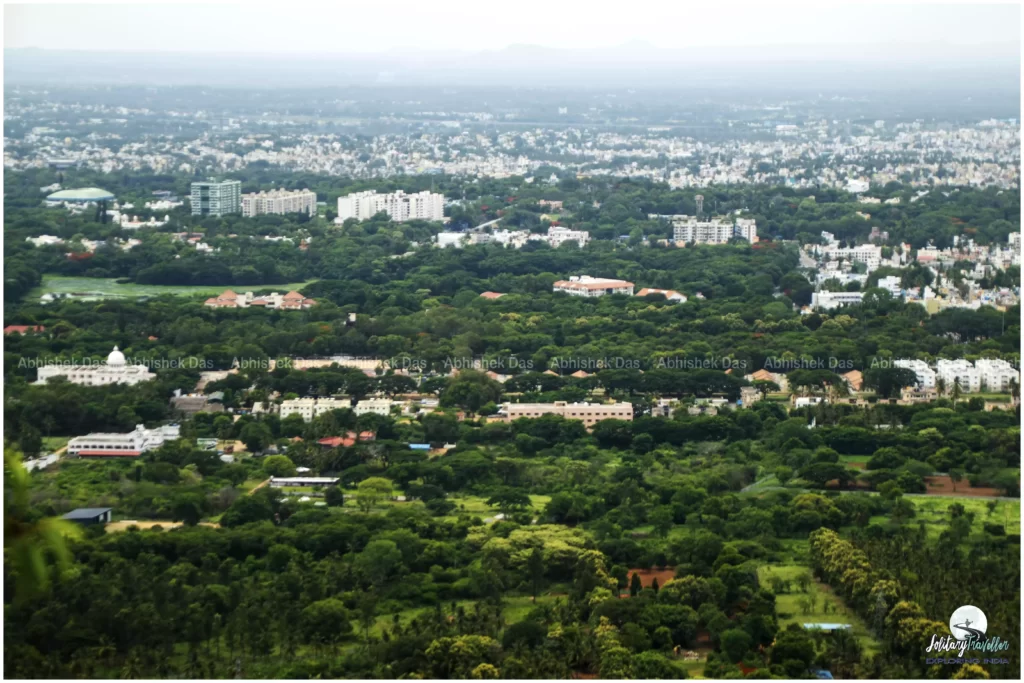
81 194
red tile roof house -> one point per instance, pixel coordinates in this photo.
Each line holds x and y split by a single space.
348 440
492 295
292 301
24 329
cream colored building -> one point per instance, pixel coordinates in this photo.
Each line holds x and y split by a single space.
587 286
115 371
380 406
310 408
279 202
589 413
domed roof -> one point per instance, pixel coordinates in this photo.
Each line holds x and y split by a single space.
115 357
81 194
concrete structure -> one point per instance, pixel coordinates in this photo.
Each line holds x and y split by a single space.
557 236
279 202
380 406
584 285
997 375
190 404
278 482
960 371
114 371
925 375
826 301
292 301
216 198
130 445
399 206
692 230
309 408
588 413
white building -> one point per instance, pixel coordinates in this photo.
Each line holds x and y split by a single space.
960 371
44 240
997 375
892 284
826 301
691 230
925 375
450 239
309 408
399 206
279 202
114 371
557 236
584 285
670 294
132 444
380 406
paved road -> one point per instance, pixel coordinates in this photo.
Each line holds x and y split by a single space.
45 461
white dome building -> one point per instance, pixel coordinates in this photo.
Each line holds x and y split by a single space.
115 371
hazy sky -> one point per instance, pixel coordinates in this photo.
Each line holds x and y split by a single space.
404 25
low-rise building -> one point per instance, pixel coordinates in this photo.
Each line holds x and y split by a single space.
309 408
584 285
826 301
670 294
292 301
925 375
130 445
114 371
588 413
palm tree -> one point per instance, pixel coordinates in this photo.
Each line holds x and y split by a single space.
28 542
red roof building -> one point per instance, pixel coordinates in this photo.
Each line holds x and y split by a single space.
24 329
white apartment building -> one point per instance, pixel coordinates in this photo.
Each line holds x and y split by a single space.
132 444
997 375
961 372
279 202
691 230
310 408
399 206
584 285
868 254
925 375
114 371
892 284
588 413
380 406
557 236
826 301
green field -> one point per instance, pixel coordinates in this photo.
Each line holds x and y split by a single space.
934 512
107 288
790 611
54 443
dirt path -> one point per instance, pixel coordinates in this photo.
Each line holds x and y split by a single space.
149 524
258 486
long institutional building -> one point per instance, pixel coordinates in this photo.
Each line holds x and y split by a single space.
216 197
692 230
588 413
130 445
399 206
114 371
279 202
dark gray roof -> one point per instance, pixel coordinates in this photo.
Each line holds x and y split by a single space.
86 513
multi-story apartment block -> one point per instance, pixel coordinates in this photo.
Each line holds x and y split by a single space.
997 375
584 285
399 206
692 230
279 202
309 408
557 236
826 301
959 371
588 413
380 406
925 375
216 198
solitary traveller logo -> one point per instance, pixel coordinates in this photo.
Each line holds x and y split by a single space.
968 628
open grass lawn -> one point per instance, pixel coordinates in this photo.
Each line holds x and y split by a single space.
54 443
108 288
789 609
934 512
516 609
477 505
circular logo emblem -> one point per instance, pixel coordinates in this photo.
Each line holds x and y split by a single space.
968 622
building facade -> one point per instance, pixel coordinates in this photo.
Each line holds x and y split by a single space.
691 230
114 371
309 408
279 202
588 413
216 198
399 206
130 445
380 406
